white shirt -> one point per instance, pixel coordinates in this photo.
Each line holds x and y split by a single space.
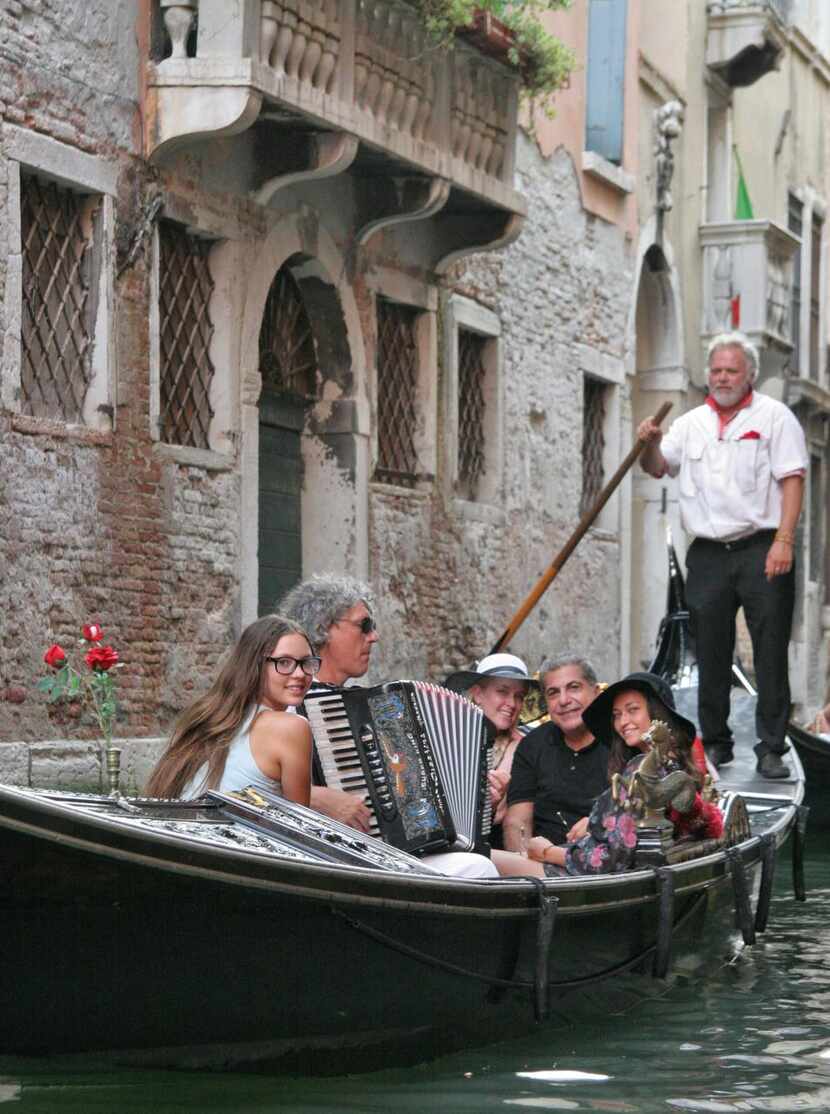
730 482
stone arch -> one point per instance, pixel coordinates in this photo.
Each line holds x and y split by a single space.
335 437
658 373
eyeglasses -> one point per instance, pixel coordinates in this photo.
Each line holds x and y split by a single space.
367 624
286 665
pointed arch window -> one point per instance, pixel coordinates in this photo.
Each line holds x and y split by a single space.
287 358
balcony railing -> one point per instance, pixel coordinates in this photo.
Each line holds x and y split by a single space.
747 283
745 38
351 68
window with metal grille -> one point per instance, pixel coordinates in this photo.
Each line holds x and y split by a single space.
795 223
397 363
287 360
471 407
61 240
185 332
593 442
815 295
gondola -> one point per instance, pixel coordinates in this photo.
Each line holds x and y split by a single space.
676 661
241 929
814 752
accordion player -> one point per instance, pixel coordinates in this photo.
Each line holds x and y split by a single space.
417 751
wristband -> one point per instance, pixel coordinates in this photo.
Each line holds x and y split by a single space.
785 536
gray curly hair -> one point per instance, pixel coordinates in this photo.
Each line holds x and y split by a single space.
736 340
319 602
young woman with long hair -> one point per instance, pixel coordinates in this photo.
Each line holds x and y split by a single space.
239 732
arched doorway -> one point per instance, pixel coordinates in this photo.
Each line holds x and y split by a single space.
660 375
288 367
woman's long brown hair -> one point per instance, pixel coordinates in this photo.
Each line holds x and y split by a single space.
203 732
621 754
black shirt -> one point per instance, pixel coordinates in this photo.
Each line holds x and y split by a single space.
561 783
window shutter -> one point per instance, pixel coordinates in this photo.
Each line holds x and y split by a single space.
606 78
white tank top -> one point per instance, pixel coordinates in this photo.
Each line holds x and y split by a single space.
240 768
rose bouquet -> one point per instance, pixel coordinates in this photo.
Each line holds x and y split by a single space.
96 683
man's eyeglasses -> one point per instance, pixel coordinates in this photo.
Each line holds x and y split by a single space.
286 665
367 624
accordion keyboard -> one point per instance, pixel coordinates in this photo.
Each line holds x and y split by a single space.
339 759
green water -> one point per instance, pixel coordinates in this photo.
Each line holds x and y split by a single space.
754 1037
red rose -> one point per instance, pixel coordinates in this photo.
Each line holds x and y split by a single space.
92 632
55 656
101 658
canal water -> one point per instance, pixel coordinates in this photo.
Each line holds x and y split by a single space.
755 1036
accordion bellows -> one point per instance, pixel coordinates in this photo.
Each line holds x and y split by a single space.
417 752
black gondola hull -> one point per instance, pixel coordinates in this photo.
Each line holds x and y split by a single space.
153 951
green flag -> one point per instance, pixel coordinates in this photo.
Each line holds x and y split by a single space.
743 206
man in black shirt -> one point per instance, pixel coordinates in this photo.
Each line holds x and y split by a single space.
559 768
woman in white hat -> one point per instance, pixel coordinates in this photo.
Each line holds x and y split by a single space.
498 685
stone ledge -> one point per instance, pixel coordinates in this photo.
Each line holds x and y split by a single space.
49 427
192 457
606 172
69 764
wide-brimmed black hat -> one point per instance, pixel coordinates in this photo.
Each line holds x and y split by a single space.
598 715
488 669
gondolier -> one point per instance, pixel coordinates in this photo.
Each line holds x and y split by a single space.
741 459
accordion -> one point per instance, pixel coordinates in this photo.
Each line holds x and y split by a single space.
416 751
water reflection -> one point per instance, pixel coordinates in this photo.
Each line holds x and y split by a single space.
756 1037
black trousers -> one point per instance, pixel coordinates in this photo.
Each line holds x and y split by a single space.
721 578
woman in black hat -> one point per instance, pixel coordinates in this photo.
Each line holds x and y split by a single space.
622 714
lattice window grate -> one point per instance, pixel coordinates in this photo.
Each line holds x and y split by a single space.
60 234
185 332
593 442
397 393
287 359
471 407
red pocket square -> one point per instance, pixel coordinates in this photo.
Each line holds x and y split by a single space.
750 435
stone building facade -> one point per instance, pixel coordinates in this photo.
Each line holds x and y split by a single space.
241 342
753 89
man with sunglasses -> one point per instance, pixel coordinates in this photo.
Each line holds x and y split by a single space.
336 613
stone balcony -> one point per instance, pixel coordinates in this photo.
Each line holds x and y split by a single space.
747 282
745 38
337 85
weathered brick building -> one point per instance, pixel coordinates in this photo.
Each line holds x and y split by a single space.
238 345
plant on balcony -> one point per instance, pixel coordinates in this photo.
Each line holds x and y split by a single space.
515 29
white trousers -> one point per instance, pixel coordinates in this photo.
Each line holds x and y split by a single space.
461 864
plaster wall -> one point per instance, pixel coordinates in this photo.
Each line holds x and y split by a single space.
566 127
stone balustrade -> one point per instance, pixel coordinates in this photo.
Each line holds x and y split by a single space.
362 67
745 38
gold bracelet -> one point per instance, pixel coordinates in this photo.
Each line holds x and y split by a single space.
785 536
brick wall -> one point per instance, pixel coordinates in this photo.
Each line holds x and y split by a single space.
104 526
99 526
454 581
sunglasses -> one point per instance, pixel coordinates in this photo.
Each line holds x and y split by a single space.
286 665
367 624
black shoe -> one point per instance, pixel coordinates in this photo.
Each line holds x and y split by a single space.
719 754
771 767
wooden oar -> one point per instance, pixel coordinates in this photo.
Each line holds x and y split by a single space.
573 541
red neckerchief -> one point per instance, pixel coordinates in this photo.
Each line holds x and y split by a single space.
723 421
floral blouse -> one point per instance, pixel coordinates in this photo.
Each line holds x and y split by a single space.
611 840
